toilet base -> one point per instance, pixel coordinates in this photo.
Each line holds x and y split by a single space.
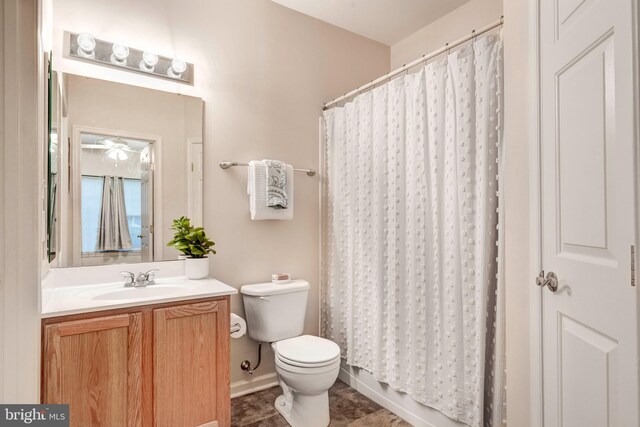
304 411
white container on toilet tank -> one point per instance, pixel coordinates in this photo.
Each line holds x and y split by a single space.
275 311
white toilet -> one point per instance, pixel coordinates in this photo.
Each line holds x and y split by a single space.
307 366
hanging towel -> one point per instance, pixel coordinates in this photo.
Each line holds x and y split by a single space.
256 189
276 184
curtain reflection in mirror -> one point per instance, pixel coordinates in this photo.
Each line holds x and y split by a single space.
113 229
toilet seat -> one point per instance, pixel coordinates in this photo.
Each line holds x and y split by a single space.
307 351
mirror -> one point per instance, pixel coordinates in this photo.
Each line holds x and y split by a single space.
53 126
124 161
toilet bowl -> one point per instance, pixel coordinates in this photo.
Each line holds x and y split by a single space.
307 367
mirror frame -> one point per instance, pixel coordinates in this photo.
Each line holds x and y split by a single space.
76 179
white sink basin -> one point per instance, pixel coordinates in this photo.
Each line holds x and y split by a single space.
117 292
80 299
152 291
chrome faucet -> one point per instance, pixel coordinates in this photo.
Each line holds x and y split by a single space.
143 279
146 279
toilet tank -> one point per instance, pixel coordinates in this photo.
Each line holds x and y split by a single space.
275 311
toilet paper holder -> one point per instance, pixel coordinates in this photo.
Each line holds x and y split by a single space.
237 326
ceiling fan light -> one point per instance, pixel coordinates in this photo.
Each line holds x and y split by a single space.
117 154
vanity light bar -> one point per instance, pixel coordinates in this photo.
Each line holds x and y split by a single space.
85 47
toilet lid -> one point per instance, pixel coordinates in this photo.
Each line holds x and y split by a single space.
307 350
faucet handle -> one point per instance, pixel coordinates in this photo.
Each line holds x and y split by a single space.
151 276
152 272
129 278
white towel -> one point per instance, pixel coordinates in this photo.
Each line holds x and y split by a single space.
256 189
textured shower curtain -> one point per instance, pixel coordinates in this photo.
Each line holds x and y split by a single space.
411 284
113 228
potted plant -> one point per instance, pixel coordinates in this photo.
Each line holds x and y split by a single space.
195 245
181 228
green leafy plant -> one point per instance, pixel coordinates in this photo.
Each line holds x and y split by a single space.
191 241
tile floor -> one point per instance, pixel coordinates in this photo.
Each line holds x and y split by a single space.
347 406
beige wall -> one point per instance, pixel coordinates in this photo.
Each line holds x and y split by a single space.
264 72
456 24
518 140
21 223
2 135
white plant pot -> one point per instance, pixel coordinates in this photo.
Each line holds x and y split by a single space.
196 268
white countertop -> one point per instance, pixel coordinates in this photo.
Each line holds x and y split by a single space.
61 301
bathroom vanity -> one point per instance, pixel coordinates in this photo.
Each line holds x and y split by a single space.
123 162
149 356
155 355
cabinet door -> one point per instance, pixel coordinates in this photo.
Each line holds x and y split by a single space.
191 365
95 365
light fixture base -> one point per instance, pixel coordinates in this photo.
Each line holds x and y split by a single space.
103 54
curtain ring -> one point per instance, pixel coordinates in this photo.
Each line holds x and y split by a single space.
447 49
474 36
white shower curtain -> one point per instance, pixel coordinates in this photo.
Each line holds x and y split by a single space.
113 228
410 287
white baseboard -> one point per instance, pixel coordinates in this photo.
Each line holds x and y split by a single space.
253 384
397 402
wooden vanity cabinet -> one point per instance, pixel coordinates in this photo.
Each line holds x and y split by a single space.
96 366
191 358
155 365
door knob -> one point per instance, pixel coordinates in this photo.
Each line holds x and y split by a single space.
551 281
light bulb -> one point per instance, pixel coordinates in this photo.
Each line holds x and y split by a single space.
86 45
120 54
177 68
149 61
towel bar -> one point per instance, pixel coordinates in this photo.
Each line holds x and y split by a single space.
227 165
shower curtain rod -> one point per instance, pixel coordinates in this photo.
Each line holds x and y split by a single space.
412 64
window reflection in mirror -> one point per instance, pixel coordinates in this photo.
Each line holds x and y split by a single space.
127 161
114 173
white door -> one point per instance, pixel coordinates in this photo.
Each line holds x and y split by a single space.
146 204
589 324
